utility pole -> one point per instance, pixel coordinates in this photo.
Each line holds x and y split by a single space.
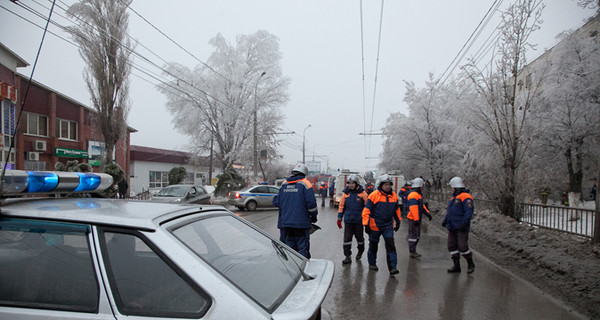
304 143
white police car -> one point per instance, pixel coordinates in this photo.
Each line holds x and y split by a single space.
250 198
90 258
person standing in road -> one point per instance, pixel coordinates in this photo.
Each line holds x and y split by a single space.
297 209
350 210
403 194
378 217
458 222
416 209
323 193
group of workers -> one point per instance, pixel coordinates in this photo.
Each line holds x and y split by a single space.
377 214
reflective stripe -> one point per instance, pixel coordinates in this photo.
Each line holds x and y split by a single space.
466 252
312 210
413 240
348 243
455 252
361 242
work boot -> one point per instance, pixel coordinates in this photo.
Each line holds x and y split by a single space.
456 267
373 267
347 260
415 254
470 265
358 256
394 271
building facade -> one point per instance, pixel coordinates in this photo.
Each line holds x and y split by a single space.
150 168
52 127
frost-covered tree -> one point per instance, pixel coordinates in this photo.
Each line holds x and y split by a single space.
218 101
570 112
101 33
504 117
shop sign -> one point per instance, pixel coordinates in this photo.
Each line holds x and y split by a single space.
71 153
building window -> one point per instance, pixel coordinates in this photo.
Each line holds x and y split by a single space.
7 128
66 129
35 124
159 179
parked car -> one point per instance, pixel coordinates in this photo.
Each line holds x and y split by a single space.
183 193
250 198
91 258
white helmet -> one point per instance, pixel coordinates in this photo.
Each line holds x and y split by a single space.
352 178
417 183
300 168
456 183
383 179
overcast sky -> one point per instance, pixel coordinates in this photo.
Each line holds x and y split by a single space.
321 45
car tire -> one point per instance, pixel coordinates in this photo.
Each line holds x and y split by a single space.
251 205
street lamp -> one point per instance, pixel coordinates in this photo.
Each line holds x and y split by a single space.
304 142
255 126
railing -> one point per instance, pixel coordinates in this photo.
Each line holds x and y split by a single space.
571 220
566 219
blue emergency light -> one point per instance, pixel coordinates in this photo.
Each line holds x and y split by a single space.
25 182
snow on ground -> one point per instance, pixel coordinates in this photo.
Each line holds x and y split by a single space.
564 266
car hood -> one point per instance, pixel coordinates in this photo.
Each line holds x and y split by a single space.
167 199
306 298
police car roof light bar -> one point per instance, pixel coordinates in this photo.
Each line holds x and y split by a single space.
18 182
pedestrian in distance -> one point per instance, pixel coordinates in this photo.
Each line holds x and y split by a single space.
593 192
297 210
416 210
403 194
381 217
458 222
370 188
350 210
323 193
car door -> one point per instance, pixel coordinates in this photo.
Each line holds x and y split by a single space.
273 191
203 196
262 196
48 270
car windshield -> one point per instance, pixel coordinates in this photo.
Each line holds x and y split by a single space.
259 266
173 191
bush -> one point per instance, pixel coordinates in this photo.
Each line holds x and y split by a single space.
228 181
176 175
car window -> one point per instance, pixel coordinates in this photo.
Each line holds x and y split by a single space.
47 265
273 190
261 190
201 191
259 266
173 191
144 284
192 191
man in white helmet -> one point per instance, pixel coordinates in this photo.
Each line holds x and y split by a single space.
381 217
350 211
416 210
297 210
458 222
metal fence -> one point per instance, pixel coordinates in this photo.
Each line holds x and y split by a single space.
566 219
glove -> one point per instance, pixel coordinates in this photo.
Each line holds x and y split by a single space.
429 217
313 219
368 229
397 227
444 223
339 223
464 226
418 223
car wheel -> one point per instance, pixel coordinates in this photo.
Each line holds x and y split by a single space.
251 205
241 208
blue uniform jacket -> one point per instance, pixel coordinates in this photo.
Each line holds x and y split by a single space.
297 203
381 210
352 205
459 211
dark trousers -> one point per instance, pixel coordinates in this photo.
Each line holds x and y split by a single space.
390 247
414 233
356 230
297 239
458 244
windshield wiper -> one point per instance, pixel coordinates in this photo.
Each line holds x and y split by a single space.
281 252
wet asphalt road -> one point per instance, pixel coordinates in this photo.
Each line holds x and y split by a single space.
423 289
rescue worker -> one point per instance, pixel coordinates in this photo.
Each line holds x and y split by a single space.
458 222
323 193
370 188
416 209
403 194
350 210
378 217
297 209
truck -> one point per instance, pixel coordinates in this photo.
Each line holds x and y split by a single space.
340 183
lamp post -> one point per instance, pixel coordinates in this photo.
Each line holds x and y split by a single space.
304 142
255 126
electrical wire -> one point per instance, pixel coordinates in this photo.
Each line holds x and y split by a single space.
376 73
